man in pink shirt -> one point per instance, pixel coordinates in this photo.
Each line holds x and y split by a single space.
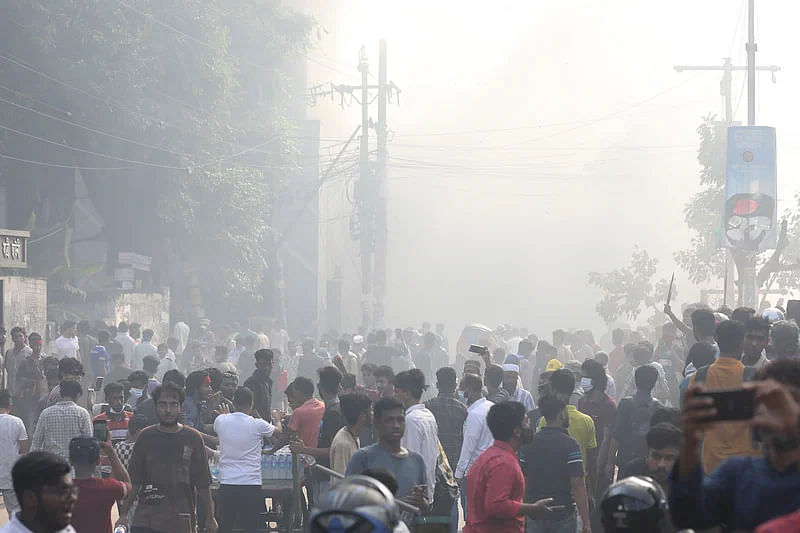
307 416
495 484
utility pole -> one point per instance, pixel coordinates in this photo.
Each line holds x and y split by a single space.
371 197
381 229
746 291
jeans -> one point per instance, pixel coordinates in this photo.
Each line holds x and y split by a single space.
567 524
242 503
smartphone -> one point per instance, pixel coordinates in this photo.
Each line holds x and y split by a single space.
478 349
732 404
98 383
100 428
793 311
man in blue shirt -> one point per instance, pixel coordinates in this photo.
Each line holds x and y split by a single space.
743 492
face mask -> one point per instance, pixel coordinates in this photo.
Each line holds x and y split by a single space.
586 384
136 393
461 397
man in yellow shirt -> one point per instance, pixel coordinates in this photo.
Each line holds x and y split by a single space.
357 412
581 426
726 439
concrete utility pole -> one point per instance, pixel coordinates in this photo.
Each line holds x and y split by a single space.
748 290
371 194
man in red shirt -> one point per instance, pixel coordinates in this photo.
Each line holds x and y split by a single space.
97 495
495 485
306 418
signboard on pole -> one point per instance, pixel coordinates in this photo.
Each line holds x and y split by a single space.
750 220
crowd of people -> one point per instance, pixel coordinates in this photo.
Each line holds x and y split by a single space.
396 428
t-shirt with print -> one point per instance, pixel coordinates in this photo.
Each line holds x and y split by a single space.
167 468
97 496
332 421
12 430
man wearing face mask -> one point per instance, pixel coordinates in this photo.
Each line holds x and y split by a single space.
743 492
450 412
477 436
596 403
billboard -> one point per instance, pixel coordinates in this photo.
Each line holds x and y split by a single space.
750 219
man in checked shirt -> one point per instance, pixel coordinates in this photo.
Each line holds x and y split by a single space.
62 422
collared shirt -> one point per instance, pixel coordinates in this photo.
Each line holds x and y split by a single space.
524 397
477 437
142 350
450 415
742 493
58 425
581 428
726 439
549 463
16 526
495 489
306 421
421 436
165 365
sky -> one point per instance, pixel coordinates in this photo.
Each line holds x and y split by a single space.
536 142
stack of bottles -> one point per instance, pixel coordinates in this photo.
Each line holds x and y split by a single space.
213 466
277 465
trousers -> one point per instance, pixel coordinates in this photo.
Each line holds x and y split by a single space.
242 503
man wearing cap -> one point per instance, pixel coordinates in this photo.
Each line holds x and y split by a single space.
97 496
512 384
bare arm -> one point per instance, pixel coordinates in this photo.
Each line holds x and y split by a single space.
24 446
204 497
125 506
581 500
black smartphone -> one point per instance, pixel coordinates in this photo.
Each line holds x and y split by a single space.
478 349
793 310
98 383
100 428
732 404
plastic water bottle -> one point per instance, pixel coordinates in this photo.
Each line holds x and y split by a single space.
287 466
121 529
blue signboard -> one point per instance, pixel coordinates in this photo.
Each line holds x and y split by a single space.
750 220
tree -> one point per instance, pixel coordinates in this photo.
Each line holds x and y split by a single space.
176 113
704 260
629 290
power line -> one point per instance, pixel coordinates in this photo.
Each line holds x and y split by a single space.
55 165
135 162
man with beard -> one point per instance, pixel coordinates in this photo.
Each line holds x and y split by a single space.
167 468
743 492
663 449
46 494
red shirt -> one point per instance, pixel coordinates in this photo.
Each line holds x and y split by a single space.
306 420
495 488
789 522
117 424
92 512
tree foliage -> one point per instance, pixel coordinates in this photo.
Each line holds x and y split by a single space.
629 290
182 106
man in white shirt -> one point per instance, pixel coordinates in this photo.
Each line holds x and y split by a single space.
477 436
46 494
421 434
143 349
126 341
13 442
181 332
241 439
67 344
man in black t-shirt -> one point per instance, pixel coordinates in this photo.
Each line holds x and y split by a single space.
553 468
329 385
384 355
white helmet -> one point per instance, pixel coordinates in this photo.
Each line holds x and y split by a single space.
772 315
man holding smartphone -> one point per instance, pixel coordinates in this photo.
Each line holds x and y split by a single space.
97 496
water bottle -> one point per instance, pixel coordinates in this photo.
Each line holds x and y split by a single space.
287 466
121 529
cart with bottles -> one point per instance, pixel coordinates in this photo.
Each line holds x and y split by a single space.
281 483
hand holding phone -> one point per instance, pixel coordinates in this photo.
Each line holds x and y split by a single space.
478 349
731 404
100 430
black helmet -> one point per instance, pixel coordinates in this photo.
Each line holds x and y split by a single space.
636 503
355 504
